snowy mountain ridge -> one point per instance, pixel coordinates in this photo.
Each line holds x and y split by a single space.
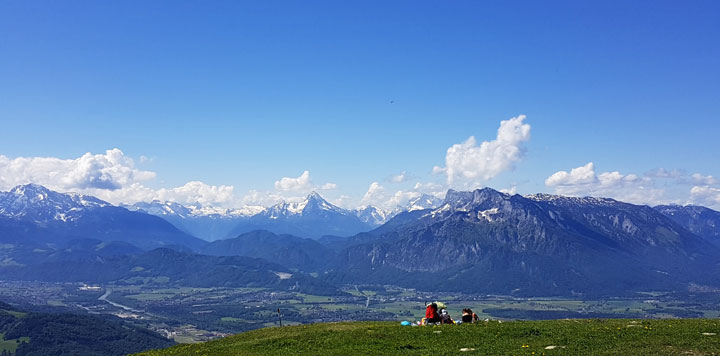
35 202
165 208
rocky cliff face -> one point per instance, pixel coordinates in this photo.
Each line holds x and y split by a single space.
699 220
544 242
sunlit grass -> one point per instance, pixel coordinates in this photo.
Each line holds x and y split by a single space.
558 337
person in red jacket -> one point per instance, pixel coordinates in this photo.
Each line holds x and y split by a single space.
431 314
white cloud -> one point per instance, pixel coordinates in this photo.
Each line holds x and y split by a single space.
256 197
665 173
196 191
401 198
343 201
375 195
700 179
398 178
189 193
577 176
301 183
705 195
584 180
328 186
378 197
469 162
112 170
111 176
287 189
511 191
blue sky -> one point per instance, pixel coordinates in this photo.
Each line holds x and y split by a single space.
243 94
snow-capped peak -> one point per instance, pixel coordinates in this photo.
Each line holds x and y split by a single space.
35 202
562 200
312 203
371 215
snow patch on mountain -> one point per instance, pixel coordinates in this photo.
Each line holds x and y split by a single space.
195 210
371 215
37 203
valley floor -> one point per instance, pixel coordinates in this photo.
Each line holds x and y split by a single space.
555 337
190 315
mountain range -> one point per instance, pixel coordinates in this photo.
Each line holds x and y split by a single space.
481 241
207 223
313 217
34 214
699 220
487 241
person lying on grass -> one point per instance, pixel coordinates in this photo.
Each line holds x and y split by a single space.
469 317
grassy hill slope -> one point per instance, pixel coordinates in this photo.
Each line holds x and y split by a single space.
569 337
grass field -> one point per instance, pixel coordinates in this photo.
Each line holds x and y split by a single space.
14 313
556 337
11 345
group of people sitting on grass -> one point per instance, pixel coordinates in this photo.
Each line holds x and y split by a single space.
436 313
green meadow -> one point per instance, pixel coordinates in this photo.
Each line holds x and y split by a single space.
551 337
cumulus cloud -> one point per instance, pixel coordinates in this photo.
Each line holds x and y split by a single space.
700 179
288 189
375 195
471 162
112 170
659 186
584 180
300 183
199 192
111 176
577 176
706 191
190 193
705 195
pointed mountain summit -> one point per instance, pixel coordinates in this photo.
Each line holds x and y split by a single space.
312 217
314 202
